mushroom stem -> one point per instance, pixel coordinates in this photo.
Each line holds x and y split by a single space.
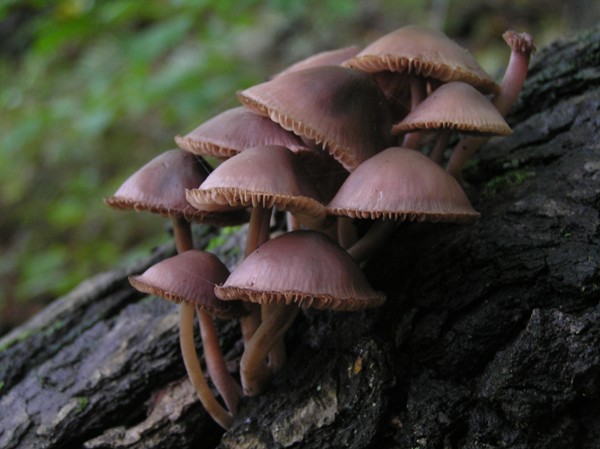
347 234
182 232
522 47
194 370
258 228
418 92
215 363
376 236
252 366
441 142
258 233
230 390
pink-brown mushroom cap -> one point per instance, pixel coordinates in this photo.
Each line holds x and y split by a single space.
303 268
327 57
189 277
402 184
455 105
159 187
424 52
341 109
235 130
267 176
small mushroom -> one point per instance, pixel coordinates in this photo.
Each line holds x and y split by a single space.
341 109
424 52
399 184
263 177
159 187
454 106
189 279
295 270
328 57
237 129
522 47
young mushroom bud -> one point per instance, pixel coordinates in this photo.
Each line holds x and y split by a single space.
522 47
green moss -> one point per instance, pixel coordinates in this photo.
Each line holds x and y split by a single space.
19 338
510 179
47 331
82 403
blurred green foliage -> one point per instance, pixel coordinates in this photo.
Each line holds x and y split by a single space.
90 90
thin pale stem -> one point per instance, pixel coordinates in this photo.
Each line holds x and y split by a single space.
182 231
194 370
379 233
418 92
252 366
441 143
258 233
226 385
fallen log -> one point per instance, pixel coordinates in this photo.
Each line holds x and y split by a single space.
490 336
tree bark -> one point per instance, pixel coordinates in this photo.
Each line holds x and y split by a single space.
490 336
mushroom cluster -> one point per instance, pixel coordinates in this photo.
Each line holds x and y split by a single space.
344 138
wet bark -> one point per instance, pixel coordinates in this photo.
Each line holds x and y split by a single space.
490 336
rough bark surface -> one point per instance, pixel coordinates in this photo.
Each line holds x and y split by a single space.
490 337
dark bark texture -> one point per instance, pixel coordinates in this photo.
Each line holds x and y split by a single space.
490 337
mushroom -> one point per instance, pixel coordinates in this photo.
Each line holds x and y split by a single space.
298 269
454 106
263 177
159 187
522 46
189 279
328 57
398 184
341 109
237 129
417 54
423 52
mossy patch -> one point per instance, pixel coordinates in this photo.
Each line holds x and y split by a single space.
509 179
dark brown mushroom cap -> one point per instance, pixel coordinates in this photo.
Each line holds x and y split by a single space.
424 52
267 176
304 268
159 187
341 109
328 57
235 130
189 277
455 105
402 184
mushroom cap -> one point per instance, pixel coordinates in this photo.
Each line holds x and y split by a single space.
159 187
235 130
424 52
455 105
189 277
267 176
303 268
402 184
328 57
339 108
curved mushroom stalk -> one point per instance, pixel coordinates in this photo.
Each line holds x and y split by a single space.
194 370
522 47
398 184
253 373
189 278
377 235
230 390
320 275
